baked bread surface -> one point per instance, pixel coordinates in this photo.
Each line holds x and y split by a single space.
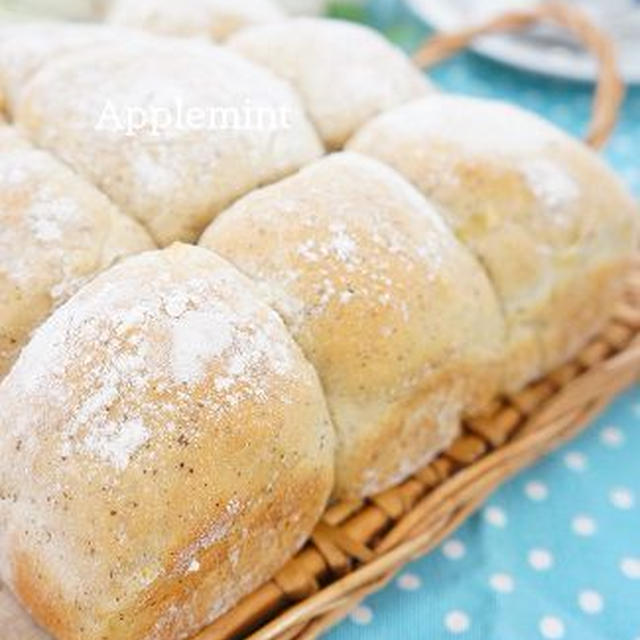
15 622
171 130
552 225
176 452
56 232
178 447
396 315
344 72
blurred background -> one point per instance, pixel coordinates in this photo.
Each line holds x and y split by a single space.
541 48
544 49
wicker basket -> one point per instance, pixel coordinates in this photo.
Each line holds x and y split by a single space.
358 547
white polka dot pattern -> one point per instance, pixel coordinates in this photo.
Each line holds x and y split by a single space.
576 461
457 622
409 582
612 437
502 582
495 516
590 601
583 525
454 549
361 615
536 491
630 568
622 498
551 628
540 559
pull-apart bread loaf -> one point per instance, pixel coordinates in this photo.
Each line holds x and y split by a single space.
211 18
176 451
397 316
345 73
552 225
173 432
56 232
171 130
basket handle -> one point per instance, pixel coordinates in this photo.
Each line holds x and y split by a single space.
610 89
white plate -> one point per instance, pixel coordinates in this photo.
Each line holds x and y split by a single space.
543 50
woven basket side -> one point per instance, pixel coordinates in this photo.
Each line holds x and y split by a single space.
359 546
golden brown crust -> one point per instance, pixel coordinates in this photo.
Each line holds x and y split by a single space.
553 227
397 316
178 451
15 622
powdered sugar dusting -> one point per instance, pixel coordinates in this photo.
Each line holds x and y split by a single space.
49 217
56 232
342 245
164 125
37 213
550 183
187 561
339 249
204 333
194 567
117 442
197 339
155 334
112 431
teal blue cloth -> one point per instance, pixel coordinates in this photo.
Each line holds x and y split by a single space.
556 552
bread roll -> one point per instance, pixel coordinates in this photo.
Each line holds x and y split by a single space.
345 73
398 318
550 222
56 232
176 452
15 622
26 47
213 18
172 130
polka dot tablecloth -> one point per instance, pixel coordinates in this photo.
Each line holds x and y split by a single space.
555 553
